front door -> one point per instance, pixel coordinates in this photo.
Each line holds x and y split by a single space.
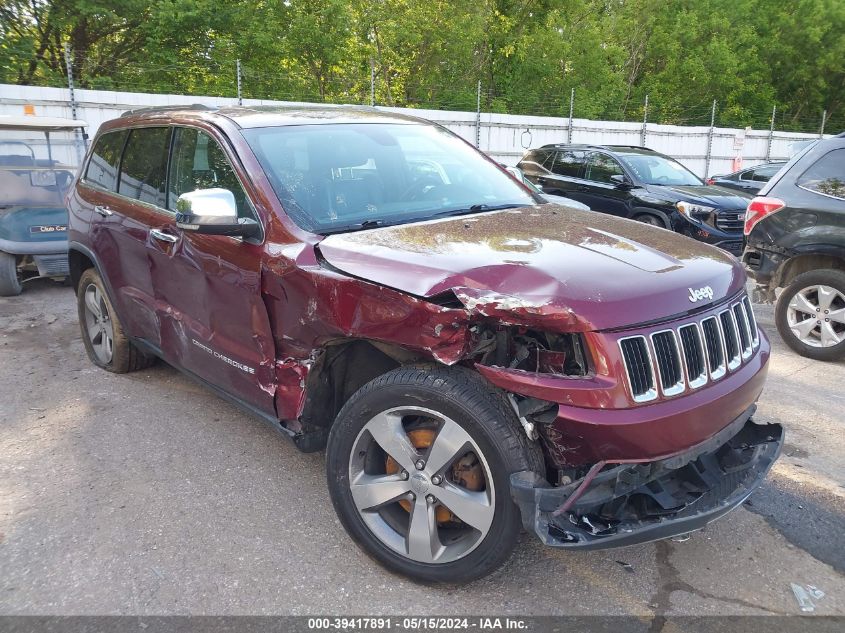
599 191
212 319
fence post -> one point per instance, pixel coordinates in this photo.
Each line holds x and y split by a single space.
478 117
645 122
571 111
80 138
238 71
372 82
824 119
710 140
771 133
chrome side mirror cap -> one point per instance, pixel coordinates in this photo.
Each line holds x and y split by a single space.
213 212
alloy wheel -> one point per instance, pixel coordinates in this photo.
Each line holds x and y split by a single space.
98 324
421 485
816 316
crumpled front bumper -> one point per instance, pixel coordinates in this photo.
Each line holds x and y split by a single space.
625 504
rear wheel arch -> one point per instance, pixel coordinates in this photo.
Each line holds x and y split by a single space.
79 262
804 263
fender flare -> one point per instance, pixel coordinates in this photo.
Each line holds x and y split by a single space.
667 221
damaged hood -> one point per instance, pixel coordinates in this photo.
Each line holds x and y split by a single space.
547 266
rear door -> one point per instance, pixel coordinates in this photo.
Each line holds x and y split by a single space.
601 193
123 164
212 319
567 173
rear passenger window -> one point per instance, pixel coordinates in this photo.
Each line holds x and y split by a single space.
105 160
569 163
143 171
198 162
826 175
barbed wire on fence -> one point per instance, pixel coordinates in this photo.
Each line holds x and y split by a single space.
219 79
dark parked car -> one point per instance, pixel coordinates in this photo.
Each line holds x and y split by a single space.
638 183
474 360
749 180
796 241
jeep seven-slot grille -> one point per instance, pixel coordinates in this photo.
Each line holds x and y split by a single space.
638 366
668 362
713 342
731 342
691 354
752 321
744 330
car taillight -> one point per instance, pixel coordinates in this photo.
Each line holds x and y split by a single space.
759 208
709 181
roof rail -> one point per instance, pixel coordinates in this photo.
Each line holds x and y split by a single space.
595 145
193 106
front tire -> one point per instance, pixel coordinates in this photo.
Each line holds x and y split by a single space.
10 283
107 345
810 314
419 463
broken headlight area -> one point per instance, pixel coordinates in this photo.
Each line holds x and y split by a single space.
612 505
531 350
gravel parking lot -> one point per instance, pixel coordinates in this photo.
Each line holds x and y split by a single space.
146 494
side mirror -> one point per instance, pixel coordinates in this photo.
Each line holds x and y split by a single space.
213 212
621 181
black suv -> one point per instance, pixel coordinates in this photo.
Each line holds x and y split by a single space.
641 184
796 241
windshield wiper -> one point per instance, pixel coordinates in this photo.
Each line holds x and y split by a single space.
476 208
363 226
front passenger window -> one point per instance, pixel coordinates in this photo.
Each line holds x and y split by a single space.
198 162
601 167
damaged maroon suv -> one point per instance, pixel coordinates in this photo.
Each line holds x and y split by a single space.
474 360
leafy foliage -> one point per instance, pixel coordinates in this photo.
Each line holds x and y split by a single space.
749 55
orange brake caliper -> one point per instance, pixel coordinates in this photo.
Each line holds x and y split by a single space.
466 471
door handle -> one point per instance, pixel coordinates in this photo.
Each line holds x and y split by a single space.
103 211
161 235
583 188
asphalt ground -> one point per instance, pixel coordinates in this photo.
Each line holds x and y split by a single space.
145 494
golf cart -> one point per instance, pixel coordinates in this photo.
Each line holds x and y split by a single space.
38 158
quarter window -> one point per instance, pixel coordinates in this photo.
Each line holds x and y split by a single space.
569 163
826 175
105 160
143 171
198 162
601 167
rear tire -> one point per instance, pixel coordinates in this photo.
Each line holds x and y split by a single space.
10 283
472 421
810 314
107 345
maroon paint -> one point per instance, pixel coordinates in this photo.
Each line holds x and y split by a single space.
541 267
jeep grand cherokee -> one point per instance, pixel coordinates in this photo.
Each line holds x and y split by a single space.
474 360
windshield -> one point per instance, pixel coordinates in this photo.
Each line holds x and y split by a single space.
338 177
653 169
33 171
